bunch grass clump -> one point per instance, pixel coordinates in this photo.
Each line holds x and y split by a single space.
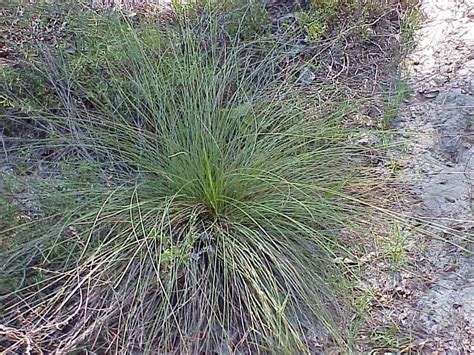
211 214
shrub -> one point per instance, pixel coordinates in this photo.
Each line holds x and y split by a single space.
245 20
314 24
210 217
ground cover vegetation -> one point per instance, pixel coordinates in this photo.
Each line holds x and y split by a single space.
172 182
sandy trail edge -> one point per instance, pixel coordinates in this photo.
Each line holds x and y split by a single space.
438 123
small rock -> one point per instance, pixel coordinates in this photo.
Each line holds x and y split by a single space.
440 80
368 139
307 76
431 94
346 261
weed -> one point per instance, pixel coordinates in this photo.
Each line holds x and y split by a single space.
363 301
410 23
239 19
315 16
388 338
395 247
399 91
313 24
249 19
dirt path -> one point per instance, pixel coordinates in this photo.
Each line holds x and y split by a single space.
438 123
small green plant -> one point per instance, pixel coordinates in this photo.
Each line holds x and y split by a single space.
389 339
323 4
331 7
316 17
23 83
313 24
395 247
10 217
399 91
249 19
363 301
16 230
410 22
239 19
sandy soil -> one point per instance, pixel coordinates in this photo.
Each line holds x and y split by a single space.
438 123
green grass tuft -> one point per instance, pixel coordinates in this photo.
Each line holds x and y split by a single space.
206 208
